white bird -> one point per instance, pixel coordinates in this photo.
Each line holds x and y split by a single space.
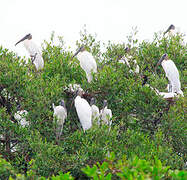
106 114
95 111
165 95
172 74
60 113
35 53
84 111
127 58
20 116
87 62
72 88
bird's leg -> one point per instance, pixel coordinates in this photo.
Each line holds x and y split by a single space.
59 131
170 87
33 57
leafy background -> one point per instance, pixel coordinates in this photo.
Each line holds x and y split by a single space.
145 127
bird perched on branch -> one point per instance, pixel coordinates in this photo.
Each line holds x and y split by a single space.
60 113
165 95
172 74
20 116
106 114
127 59
35 54
84 111
95 111
87 62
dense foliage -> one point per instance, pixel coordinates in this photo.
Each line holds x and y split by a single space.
144 125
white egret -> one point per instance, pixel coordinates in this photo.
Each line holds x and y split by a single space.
20 116
106 114
126 60
87 62
35 54
95 111
171 73
60 113
84 111
170 30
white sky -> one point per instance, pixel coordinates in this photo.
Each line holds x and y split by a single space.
109 19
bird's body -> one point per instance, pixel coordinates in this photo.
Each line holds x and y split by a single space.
165 95
72 88
84 112
106 114
87 63
125 60
34 52
60 113
172 74
20 116
95 112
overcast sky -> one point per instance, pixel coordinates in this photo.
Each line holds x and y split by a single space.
109 19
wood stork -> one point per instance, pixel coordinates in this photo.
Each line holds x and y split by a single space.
172 74
170 30
84 111
35 54
72 88
87 62
20 116
127 58
106 114
95 111
60 113
165 95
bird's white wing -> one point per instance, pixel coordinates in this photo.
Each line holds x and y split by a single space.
125 60
84 112
137 69
20 116
34 51
106 115
60 113
95 114
166 95
87 62
172 74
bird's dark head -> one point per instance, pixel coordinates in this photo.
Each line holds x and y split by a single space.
28 36
79 92
81 49
93 101
105 103
171 27
18 107
164 57
145 79
62 103
127 49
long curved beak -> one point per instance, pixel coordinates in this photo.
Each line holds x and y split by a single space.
21 40
76 53
167 30
159 62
